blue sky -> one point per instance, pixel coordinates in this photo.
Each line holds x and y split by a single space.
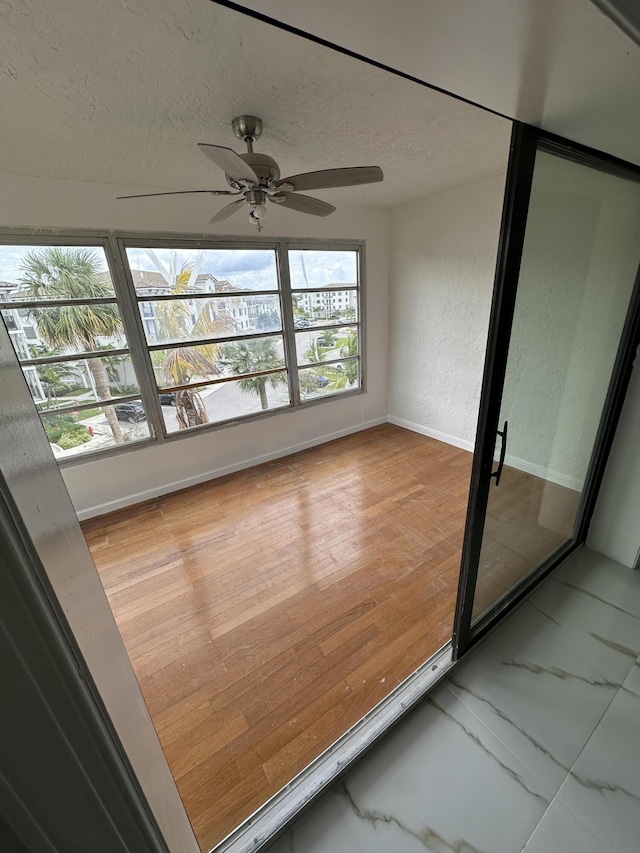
247 268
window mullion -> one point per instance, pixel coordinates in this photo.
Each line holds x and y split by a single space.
288 329
140 356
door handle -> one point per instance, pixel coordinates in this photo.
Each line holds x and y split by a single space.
503 451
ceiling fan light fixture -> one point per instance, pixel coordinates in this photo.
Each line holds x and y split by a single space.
259 211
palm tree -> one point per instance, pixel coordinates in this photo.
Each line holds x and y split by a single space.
344 375
253 356
349 313
183 364
315 353
350 350
52 377
73 273
111 364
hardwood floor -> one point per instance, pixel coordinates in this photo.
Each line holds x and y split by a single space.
265 612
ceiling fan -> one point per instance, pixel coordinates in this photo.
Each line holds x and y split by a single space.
256 177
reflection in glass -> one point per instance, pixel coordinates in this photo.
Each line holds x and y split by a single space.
194 363
577 273
177 320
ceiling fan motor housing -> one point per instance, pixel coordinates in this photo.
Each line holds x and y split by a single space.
264 166
256 196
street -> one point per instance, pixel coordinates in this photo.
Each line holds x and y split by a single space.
226 401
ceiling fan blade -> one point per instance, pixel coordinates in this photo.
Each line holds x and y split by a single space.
329 178
226 211
230 162
302 203
181 192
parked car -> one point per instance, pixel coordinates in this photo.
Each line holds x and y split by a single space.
302 323
131 412
322 381
167 398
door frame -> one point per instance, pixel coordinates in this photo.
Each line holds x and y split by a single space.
526 141
60 753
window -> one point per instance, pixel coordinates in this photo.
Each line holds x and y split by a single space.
66 328
217 344
215 332
324 292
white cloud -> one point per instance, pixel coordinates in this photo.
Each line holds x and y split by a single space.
248 269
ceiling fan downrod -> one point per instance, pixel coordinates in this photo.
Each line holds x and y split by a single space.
248 129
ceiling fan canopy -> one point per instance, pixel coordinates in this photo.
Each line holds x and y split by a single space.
256 177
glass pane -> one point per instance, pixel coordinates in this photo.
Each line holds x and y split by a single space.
192 364
61 384
53 272
330 379
224 401
578 268
315 346
173 321
324 307
164 271
95 429
310 269
70 329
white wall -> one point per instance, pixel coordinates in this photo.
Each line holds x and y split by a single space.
101 485
443 255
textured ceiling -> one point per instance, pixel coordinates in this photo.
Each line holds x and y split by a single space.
121 92
559 64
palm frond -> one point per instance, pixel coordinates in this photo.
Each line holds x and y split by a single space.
182 364
54 272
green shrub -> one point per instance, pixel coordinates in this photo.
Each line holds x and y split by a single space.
72 439
65 432
53 431
71 388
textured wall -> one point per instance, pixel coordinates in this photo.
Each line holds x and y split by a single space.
442 267
101 485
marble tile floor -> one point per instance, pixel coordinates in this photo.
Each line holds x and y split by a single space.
533 743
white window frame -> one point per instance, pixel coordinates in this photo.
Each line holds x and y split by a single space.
115 243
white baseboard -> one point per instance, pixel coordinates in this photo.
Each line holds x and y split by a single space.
432 433
203 476
544 473
512 461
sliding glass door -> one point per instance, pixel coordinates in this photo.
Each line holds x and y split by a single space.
560 343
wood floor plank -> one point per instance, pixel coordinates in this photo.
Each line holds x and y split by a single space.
266 611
